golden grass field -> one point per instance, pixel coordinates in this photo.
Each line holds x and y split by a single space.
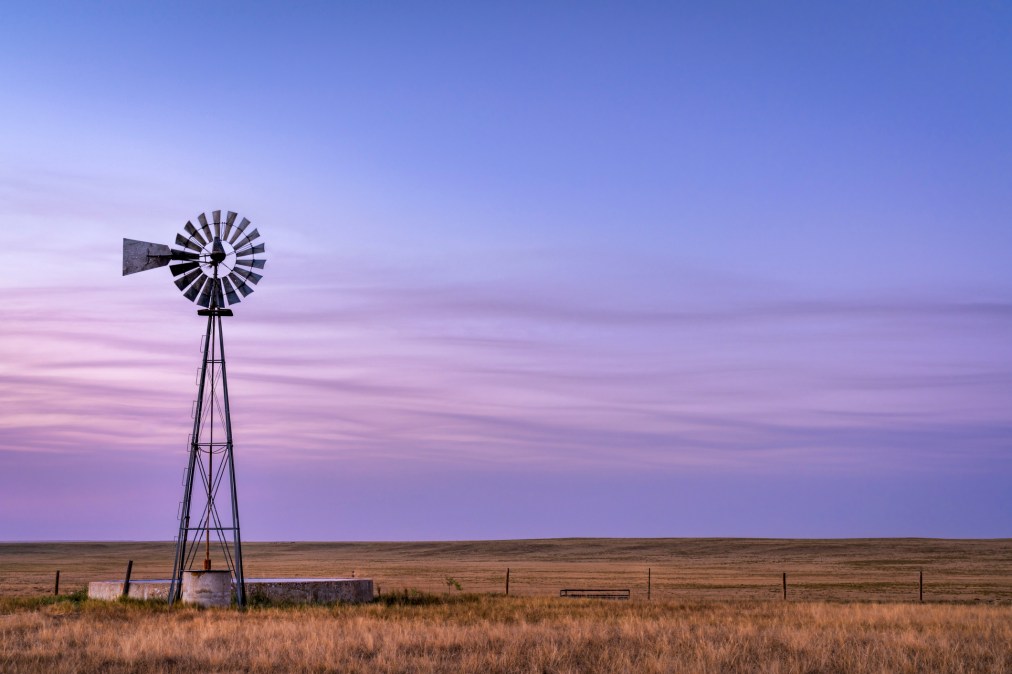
682 569
716 607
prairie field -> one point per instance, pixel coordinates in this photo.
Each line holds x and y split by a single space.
681 569
715 605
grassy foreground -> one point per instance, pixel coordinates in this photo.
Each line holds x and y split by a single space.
482 633
716 607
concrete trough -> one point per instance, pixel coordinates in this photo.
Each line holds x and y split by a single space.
310 590
278 590
112 590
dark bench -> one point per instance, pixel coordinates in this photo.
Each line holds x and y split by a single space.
595 594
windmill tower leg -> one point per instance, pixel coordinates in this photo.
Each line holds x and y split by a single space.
204 479
237 572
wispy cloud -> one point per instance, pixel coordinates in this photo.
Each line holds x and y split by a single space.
374 371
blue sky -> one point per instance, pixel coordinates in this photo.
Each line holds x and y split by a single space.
535 269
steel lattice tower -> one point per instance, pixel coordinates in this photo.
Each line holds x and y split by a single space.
211 412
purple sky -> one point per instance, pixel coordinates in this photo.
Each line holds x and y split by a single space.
646 269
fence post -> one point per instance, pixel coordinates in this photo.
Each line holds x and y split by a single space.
507 581
921 585
648 583
56 587
785 586
126 581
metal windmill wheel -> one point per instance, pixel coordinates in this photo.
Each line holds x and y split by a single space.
214 264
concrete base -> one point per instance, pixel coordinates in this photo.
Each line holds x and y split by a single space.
288 590
207 588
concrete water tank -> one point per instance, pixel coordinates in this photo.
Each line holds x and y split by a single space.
207 588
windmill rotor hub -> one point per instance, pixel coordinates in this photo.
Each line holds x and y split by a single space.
218 253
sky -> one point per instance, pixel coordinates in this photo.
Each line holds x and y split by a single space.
534 269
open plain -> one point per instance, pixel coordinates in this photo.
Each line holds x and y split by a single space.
715 605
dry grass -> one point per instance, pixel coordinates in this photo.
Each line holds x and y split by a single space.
716 608
474 633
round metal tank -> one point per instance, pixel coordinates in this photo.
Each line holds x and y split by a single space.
207 588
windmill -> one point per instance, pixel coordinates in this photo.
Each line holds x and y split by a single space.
213 263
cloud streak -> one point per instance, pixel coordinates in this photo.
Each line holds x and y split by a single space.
373 372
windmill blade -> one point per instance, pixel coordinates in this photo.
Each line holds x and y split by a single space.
187 243
204 299
192 231
142 255
184 281
240 284
183 267
251 276
197 288
259 264
229 219
184 254
240 228
206 228
259 248
246 241
216 218
233 297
